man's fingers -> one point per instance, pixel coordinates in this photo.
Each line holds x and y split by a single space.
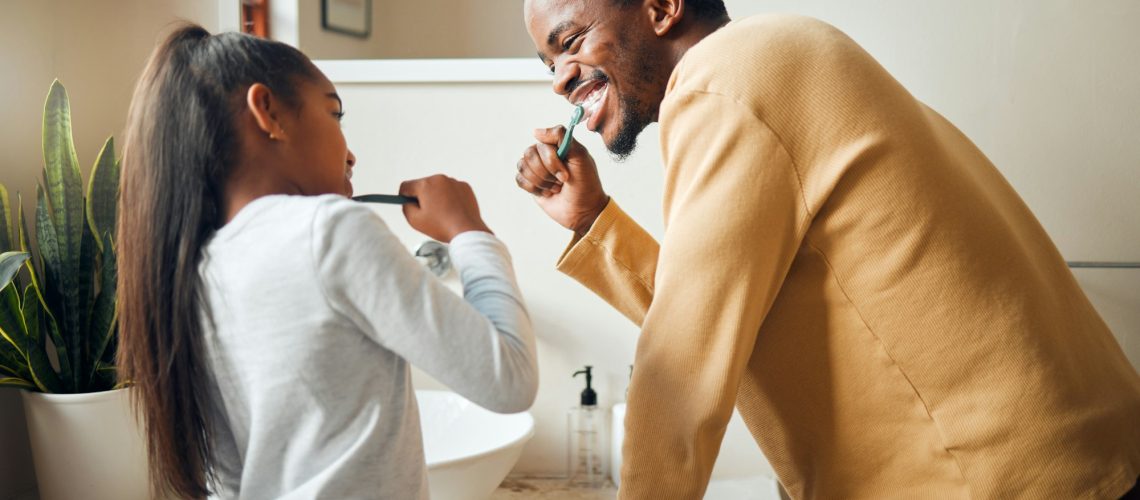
551 135
528 187
535 171
554 166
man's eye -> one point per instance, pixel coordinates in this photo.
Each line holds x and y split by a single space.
569 42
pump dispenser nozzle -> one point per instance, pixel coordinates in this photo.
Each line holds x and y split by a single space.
589 397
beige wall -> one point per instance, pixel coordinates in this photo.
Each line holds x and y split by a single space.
421 29
97 49
1043 86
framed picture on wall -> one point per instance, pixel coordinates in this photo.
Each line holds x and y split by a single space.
350 17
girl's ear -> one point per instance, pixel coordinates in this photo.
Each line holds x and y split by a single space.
264 107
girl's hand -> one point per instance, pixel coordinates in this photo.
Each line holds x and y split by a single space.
446 207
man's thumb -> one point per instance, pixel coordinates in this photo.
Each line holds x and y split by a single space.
550 135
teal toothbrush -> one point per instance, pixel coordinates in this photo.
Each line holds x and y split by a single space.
564 147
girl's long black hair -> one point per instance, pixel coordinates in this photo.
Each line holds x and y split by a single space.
181 144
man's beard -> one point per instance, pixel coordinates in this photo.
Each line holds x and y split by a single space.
635 114
632 123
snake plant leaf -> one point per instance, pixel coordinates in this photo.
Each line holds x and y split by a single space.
6 232
33 270
35 346
62 179
52 290
16 382
13 351
13 362
64 186
103 314
106 376
103 192
11 315
81 358
10 263
8 371
11 322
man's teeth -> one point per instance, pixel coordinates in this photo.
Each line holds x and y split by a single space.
591 102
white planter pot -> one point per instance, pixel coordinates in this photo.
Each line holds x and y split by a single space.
86 446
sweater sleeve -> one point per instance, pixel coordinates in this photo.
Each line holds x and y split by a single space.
615 259
480 345
735 217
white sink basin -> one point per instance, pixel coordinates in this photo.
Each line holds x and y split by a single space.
469 450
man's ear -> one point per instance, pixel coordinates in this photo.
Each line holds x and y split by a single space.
665 14
264 107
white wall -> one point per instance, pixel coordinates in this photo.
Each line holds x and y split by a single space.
1047 88
97 49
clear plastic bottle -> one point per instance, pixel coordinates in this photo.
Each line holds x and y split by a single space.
585 440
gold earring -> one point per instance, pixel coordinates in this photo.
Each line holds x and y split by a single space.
272 137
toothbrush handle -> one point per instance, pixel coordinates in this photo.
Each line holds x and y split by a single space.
564 146
391 199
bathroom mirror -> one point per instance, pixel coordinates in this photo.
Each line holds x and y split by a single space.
397 29
421 41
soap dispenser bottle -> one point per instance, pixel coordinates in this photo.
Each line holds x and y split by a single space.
585 439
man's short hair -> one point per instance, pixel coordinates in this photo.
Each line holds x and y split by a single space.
705 10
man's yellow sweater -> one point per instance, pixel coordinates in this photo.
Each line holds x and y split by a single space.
850 271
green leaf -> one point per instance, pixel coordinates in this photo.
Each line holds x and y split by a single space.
13 363
10 263
11 319
81 358
106 376
55 285
33 272
103 192
8 371
6 232
62 179
64 186
35 346
16 382
13 335
104 315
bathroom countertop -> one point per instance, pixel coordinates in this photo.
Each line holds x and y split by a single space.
549 489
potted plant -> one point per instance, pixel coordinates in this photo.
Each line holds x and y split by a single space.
58 323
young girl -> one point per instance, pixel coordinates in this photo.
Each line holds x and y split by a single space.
266 320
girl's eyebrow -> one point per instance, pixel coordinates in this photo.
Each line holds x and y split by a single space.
334 95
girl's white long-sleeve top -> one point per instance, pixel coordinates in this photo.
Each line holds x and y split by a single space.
312 311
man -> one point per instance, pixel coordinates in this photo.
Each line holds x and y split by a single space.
839 262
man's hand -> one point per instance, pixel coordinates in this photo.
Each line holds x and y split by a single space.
569 192
446 207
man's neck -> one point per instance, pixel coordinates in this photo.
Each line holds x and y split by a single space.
692 35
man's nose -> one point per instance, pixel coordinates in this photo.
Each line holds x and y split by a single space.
566 79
